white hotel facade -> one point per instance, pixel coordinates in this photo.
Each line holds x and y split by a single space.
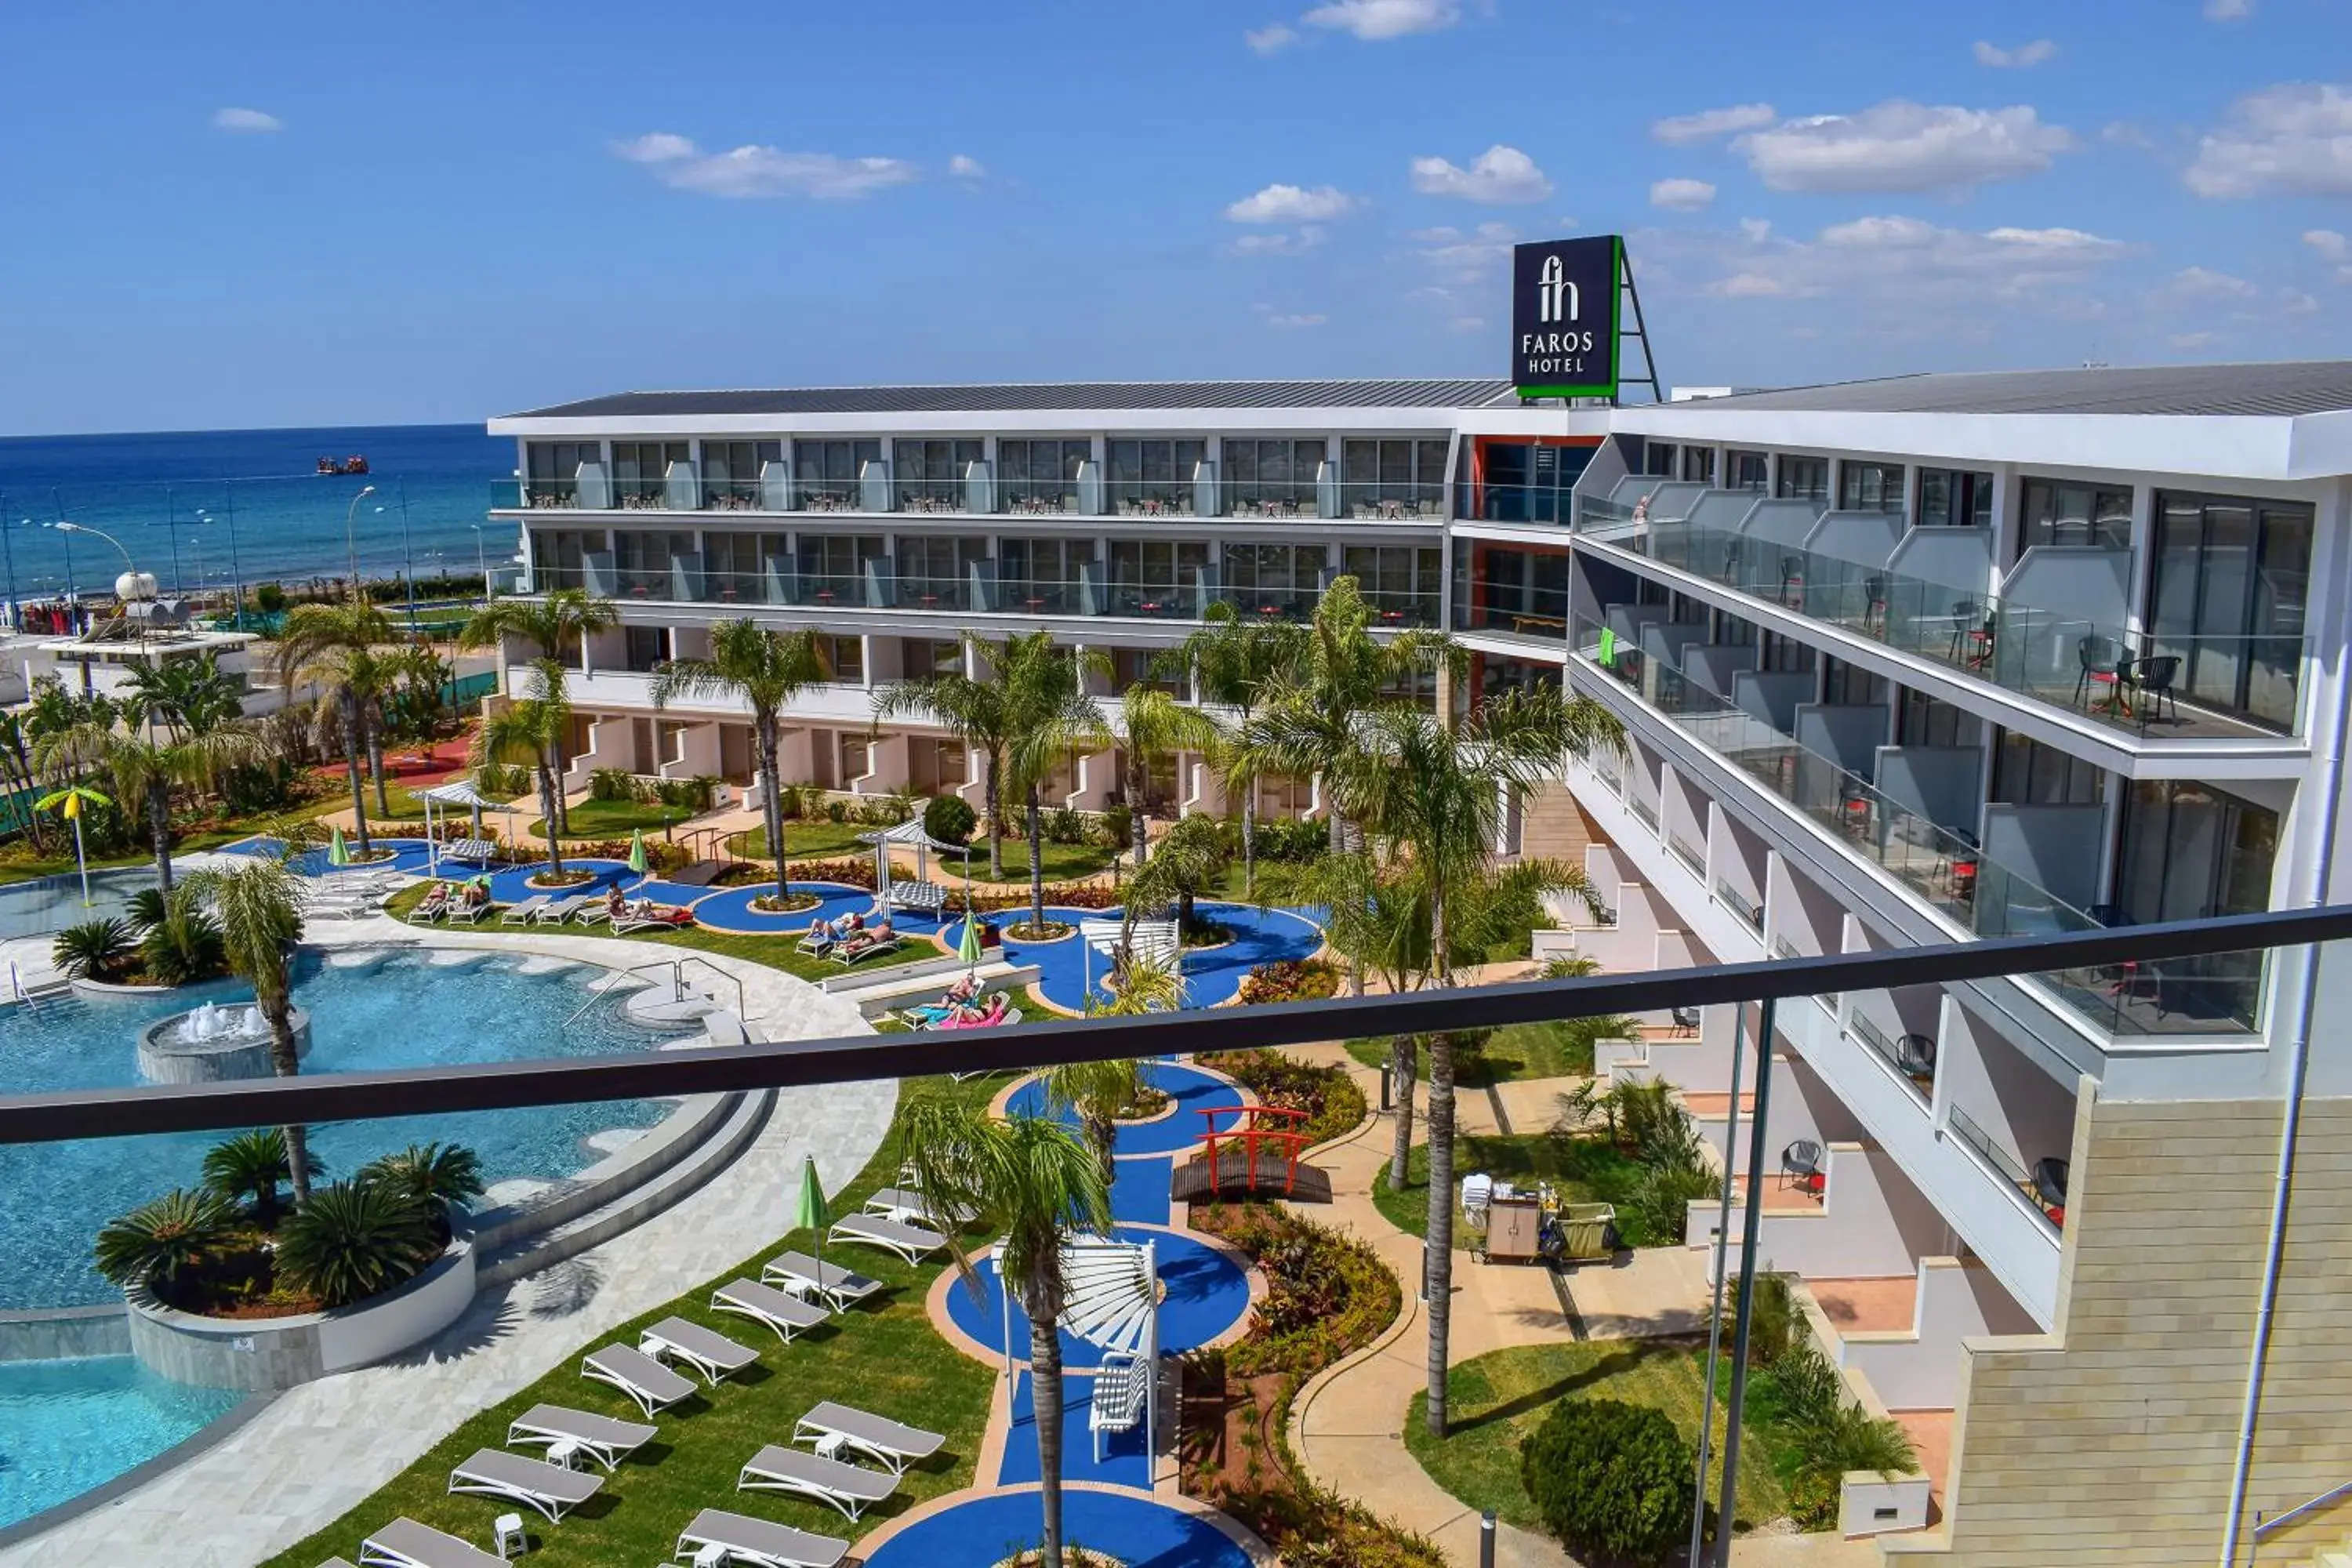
1900 662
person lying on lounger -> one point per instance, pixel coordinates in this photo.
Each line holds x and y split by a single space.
859 944
616 903
435 903
478 894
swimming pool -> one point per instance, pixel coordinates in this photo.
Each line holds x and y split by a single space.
370 1009
69 1426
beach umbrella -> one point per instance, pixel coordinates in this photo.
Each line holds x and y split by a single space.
338 852
637 851
969 948
808 1212
66 803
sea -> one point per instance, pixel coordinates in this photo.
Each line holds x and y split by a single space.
201 509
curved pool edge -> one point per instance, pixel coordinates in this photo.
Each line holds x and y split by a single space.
211 1434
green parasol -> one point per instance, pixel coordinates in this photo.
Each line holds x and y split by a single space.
338 852
808 1212
968 947
637 851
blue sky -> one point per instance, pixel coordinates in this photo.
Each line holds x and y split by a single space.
250 214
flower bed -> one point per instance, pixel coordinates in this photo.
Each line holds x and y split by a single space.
1291 980
1023 931
1068 895
553 879
789 904
849 873
1333 1103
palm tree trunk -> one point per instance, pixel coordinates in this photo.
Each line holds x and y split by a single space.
159 827
1102 1133
1404 1063
24 765
550 797
1036 865
376 763
1437 1258
772 808
1045 1400
996 803
286 1063
1139 814
1249 840
352 761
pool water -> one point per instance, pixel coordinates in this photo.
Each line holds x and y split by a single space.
69 1426
394 1009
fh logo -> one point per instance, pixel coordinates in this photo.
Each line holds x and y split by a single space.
1556 297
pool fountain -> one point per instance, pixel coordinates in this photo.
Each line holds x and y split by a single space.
211 1042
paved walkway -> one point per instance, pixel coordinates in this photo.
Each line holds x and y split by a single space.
319 1449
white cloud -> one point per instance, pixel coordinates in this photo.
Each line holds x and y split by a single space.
1375 20
1681 196
2194 339
2227 10
1270 40
1291 203
1312 320
1280 242
1756 229
1467 324
752 171
2333 248
2204 283
245 119
2294 139
1707 124
2025 57
1898 259
1475 259
1502 175
964 168
1900 146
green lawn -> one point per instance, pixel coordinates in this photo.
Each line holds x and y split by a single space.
888 1360
1497 1400
1518 1051
820 840
612 818
1585 1170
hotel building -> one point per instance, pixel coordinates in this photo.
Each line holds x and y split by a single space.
1908 661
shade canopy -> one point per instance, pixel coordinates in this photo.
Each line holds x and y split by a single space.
457 792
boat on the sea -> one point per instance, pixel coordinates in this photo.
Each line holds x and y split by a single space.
355 464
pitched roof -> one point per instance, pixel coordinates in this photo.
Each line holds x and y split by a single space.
2287 388
1044 397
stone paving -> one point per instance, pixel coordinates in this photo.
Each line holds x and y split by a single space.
319 1449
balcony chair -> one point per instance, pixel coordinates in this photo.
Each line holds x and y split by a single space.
1916 1055
1973 628
1801 1162
2153 678
1874 603
2050 1183
1686 1020
1792 577
2103 663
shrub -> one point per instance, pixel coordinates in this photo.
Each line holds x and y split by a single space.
949 819
836 811
1613 1480
182 947
877 814
269 598
1071 895
94 950
352 1240
145 907
1803 1398
1119 827
1290 979
253 1163
1065 824
441 1176
1293 839
504 781
1658 1212
857 873
1326 1295
159 1242
792 802
1330 1096
612 783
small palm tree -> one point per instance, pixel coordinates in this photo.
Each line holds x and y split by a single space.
444 1177
530 730
352 1241
552 623
254 1164
765 669
182 944
94 950
973 710
188 696
1096 1091
261 918
1138 983
333 648
1191 857
1032 1181
147 771
1153 724
1047 717
159 1242
1236 664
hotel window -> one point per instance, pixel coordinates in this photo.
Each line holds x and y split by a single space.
1954 497
730 472
1658 460
1746 471
930 474
827 472
1498 676
1150 576
644 650
842 660
949 764
732 563
1925 721
1399 584
557 556
1870 487
1041 476
1698 464
833 566
2232 576
925 658
641 469
1275 581
554 469
1531 482
2061 512
1034 566
855 758
2027 773
642 560
1803 479
1141 666
1847 685
1407 475
1279 474
1152 479
935 570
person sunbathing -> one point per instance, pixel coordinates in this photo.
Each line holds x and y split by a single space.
877 935
435 902
616 903
477 895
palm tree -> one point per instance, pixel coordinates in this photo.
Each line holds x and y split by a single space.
155 1243
1234 664
146 771
16 775
260 919
1191 858
972 711
444 1177
551 623
1140 984
354 1240
333 647
531 729
186 696
1032 1181
765 669
255 1162
1153 724
1047 716
1096 1092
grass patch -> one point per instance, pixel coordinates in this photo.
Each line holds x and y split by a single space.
804 841
611 818
1516 1051
1584 1169
1064 862
1496 1401
888 1361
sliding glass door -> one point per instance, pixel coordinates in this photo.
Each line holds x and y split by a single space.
2231 575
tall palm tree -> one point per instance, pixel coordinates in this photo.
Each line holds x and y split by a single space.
530 730
1153 723
765 669
16 775
970 709
1096 1091
1236 664
185 696
261 918
550 622
333 647
1047 716
147 771
1192 856
1032 1181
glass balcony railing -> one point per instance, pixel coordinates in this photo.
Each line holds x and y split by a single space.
1997 1159
1543 619
1740 904
1243 501
1943 867
1912 1066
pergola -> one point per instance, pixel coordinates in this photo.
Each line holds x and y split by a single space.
455 793
1111 1299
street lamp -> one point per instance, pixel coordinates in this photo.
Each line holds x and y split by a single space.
482 562
133 584
350 540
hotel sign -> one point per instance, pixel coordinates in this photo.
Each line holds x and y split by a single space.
1564 295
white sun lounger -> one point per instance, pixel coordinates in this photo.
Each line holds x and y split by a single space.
652 1385
911 1242
525 912
724 1536
605 1438
780 1310
534 1483
899 1203
804 1275
405 1544
463 913
707 1351
561 910
845 1487
891 1443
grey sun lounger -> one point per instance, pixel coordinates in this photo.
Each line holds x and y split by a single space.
707 1351
652 1385
779 1310
562 909
405 1544
889 1442
852 1490
909 1241
899 1202
755 1540
523 913
799 1272
607 1439
551 1489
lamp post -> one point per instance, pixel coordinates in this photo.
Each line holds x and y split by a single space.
408 555
482 563
130 567
172 523
59 502
350 540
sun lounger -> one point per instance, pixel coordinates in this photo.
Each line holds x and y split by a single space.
480 851
889 1442
785 1313
718 1537
665 917
707 1351
565 1432
911 1242
597 912
899 1203
562 909
847 1487
804 1275
463 913
652 1385
405 1544
850 953
551 1489
523 913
